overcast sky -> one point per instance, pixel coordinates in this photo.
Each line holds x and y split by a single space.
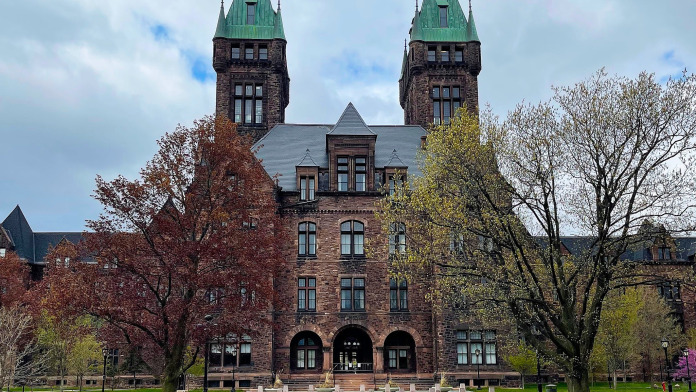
87 86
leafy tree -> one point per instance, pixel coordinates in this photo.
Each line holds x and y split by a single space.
598 159
196 235
522 359
14 279
616 329
682 370
84 358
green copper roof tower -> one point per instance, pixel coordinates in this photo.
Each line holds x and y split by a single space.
440 70
250 19
249 57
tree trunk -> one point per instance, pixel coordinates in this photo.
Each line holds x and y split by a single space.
615 378
172 369
522 375
579 383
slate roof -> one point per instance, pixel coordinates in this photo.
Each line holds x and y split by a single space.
576 245
286 144
29 245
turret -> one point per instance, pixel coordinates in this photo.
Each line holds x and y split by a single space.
249 58
441 67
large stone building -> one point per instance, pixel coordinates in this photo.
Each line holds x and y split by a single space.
342 313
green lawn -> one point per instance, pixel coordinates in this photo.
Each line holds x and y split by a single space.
604 387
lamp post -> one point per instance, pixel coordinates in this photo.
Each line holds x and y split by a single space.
665 344
478 369
207 318
538 372
688 371
105 351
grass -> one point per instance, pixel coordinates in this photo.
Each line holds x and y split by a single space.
604 387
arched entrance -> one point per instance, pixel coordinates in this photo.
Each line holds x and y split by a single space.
400 352
306 353
352 351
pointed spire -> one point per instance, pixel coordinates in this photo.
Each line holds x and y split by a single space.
471 33
403 64
416 6
278 30
221 30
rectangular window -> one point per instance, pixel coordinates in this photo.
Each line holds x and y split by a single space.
353 294
446 113
444 54
307 294
491 358
458 56
436 113
238 90
245 354
236 52
307 188
445 92
263 52
446 101
663 253
398 295
311 359
215 355
301 359
476 353
342 174
251 13
443 16
455 92
360 174
259 111
238 110
462 354
392 359
259 91
248 103
230 356
249 53
431 53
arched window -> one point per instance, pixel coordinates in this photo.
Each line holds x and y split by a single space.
306 352
352 238
397 238
307 239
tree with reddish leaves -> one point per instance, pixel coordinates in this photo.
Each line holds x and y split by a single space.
195 238
14 279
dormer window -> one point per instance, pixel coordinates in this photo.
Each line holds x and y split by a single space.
663 253
443 16
307 188
251 13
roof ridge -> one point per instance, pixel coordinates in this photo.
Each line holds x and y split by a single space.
344 121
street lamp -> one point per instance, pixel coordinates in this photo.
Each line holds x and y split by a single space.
105 351
665 344
208 318
478 369
688 371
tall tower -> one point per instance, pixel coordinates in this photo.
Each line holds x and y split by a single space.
252 72
441 64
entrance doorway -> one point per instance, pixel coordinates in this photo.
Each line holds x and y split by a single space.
352 351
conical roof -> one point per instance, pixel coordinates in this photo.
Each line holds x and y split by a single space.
471 33
404 62
426 24
221 30
267 23
351 123
21 234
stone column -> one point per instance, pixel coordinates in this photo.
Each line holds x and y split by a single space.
379 359
328 360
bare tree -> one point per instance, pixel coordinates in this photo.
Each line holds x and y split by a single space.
19 359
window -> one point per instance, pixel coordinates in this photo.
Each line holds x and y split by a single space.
234 353
236 52
398 295
397 238
251 13
113 357
307 239
458 55
250 223
446 101
263 52
352 294
398 358
663 253
342 174
669 290
394 182
306 294
352 238
307 188
443 16
445 54
249 53
306 353
476 347
360 174
457 244
431 53
248 103
3 252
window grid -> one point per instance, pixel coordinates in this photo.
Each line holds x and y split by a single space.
360 174
248 103
446 101
352 294
342 174
468 342
352 238
307 188
306 294
397 239
398 295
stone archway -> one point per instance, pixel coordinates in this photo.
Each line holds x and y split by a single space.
352 350
306 353
400 352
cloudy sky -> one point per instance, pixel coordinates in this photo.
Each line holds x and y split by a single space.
87 86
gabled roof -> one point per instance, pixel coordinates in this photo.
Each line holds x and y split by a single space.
395 161
46 241
307 161
351 123
426 23
20 232
268 23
